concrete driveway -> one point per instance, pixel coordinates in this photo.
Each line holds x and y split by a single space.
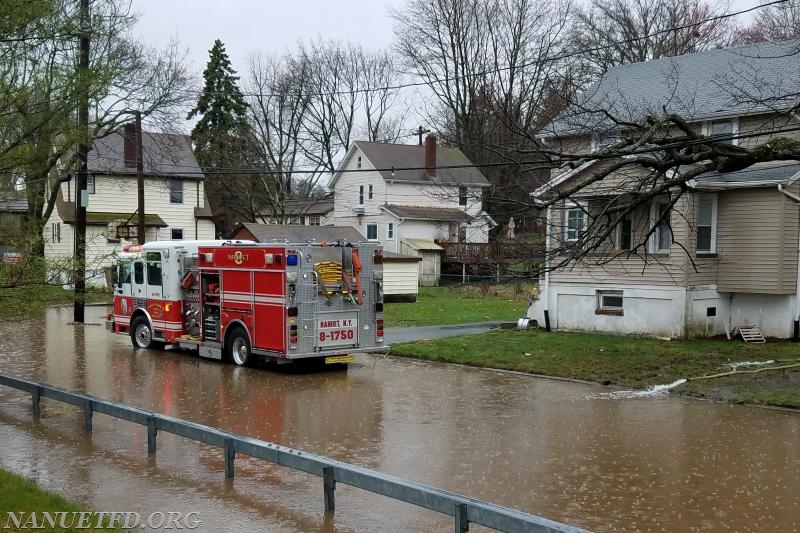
399 335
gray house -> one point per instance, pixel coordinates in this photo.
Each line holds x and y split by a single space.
725 254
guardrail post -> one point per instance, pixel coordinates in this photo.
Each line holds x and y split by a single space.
462 522
87 416
152 431
230 455
36 394
329 486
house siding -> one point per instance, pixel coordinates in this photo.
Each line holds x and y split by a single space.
119 195
641 268
757 240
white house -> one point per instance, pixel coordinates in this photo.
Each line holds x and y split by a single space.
175 202
301 212
395 192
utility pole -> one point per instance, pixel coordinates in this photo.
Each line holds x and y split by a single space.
140 227
82 199
421 132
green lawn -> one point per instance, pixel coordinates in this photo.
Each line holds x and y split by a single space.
626 361
457 305
20 495
19 303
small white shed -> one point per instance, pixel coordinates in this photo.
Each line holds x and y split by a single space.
430 268
400 277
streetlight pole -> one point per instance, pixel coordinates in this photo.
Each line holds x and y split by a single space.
82 200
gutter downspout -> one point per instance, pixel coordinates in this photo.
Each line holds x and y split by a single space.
397 235
546 291
796 332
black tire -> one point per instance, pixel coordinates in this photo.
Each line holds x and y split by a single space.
142 334
237 348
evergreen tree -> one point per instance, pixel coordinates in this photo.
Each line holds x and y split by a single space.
221 107
221 135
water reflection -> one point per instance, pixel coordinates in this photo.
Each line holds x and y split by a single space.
550 448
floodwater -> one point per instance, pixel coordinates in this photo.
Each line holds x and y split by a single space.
561 450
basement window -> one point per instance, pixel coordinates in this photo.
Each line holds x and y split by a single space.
609 303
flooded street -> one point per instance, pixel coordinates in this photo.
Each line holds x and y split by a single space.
557 449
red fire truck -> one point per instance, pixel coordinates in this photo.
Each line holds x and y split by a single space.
239 300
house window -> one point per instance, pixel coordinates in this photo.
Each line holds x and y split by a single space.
56 229
624 234
706 224
576 221
358 162
609 302
313 221
295 220
176 234
372 232
90 183
724 130
176 191
462 196
369 193
602 142
360 195
390 230
661 238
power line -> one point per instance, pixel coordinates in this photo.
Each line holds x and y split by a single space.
496 70
533 164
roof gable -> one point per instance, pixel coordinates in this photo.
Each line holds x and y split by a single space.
453 167
725 82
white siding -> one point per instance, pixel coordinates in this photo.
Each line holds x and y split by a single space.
400 277
119 195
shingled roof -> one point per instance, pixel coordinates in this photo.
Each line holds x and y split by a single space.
388 156
295 233
714 84
162 154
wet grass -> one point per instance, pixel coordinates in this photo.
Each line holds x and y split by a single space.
625 361
29 301
20 495
458 305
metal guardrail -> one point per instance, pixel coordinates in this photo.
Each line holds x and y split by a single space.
465 510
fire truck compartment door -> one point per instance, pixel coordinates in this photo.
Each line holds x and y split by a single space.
336 329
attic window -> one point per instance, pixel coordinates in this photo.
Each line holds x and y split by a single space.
358 162
462 196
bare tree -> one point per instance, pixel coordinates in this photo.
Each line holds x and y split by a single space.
773 23
280 89
381 93
615 32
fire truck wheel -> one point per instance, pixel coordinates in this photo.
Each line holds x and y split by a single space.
239 347
142 334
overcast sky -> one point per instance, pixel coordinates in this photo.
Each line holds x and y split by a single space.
246 26
271 26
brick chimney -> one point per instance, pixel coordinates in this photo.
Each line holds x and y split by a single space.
129 145
430 155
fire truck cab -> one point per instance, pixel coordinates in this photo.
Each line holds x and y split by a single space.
239 300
